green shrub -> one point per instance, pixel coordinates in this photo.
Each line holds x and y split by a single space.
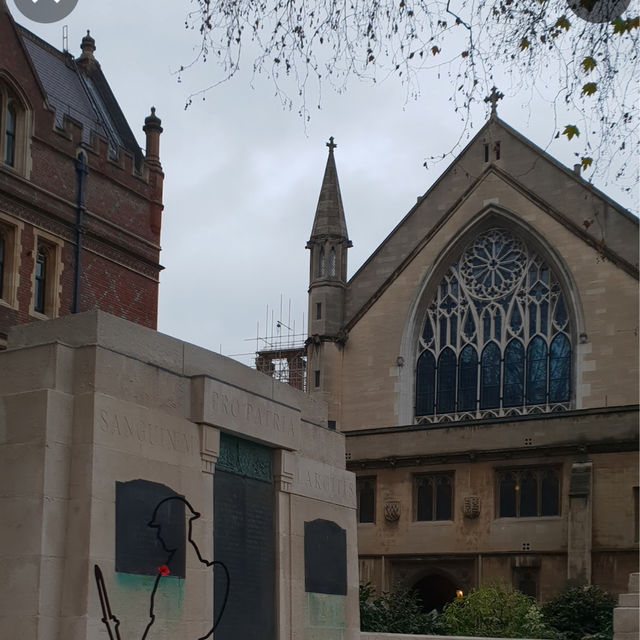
396 611
494 611
580 612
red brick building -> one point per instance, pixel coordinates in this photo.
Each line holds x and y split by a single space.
80 204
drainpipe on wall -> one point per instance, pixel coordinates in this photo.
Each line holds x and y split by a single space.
81 175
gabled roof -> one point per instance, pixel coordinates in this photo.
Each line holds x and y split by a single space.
529 169
79 91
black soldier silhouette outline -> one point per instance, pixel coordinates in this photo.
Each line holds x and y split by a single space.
159 521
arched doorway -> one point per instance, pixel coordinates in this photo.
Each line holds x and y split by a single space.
434 591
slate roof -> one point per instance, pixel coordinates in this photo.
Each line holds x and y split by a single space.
79 91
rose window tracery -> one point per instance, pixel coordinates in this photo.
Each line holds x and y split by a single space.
496 337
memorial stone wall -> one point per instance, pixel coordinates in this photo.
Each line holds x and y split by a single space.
152 489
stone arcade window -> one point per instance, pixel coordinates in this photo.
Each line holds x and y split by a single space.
366 490
433 496
496 340
528 492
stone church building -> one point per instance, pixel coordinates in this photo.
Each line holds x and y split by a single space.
483 365
80 204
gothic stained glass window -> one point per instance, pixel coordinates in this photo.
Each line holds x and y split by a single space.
433 497
468 379
496 339
446 381
528 492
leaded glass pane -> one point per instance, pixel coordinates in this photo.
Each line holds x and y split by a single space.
468 379
497 324
560 316
537 371
507 492
427 333
559 369
10 135
366 499
40 281
446 381
425 384
528 494
453 330
424 499
443 498
490 377
515 322
332 262
514 374
550 494
469 326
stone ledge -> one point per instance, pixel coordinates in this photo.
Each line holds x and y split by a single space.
365 635
629 600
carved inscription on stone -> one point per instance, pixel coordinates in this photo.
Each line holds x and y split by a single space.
134 428
153 434
321 481
222 405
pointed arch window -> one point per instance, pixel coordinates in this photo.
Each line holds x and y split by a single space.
332 263
321 263
496 339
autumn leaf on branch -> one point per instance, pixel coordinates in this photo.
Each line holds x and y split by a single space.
586 162
588 64
570 131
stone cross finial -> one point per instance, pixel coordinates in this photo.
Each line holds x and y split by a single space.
493 99
331 144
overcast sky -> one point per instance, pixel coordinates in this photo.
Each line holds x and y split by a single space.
242 174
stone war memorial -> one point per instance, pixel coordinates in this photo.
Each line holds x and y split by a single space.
153 489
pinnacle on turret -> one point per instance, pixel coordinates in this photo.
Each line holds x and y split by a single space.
329 219
88 46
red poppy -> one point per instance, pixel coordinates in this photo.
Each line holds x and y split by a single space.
163 570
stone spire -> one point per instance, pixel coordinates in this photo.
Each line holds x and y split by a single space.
329 219
328 248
